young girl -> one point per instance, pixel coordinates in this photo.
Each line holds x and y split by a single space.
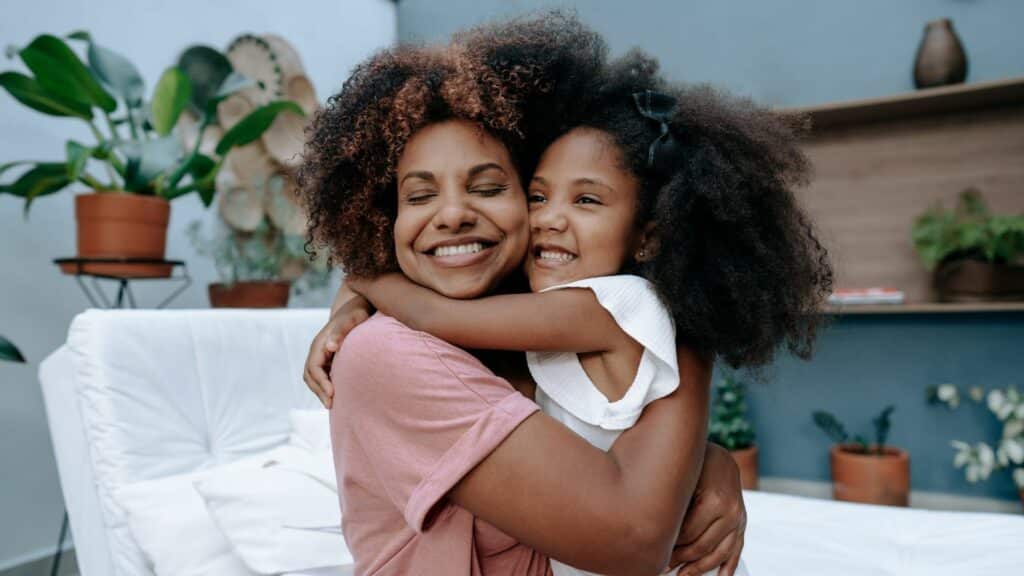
659 216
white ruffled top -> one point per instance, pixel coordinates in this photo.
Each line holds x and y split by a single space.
565 392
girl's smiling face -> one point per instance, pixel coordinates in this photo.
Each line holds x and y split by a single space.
583 206
462 223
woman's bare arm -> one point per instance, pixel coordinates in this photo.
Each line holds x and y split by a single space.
569 320
616 512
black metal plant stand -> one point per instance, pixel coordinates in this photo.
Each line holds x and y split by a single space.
85 268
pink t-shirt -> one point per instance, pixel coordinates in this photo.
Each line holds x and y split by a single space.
412 415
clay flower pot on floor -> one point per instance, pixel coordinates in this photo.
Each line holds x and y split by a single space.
255 294
122 225
746 460
870 478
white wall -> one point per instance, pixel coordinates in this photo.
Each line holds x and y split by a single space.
36 302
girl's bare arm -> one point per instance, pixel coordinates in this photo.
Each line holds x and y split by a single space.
569 320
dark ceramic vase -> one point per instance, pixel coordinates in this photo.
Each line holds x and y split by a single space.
940 57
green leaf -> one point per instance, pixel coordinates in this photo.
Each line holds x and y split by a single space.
204 174
26 90
77 155
59 70
117 72
10 352
170 97
80 35
255 124
149 159
831 426
9 165
206 68
45 178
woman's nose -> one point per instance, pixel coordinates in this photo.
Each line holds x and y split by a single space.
455 213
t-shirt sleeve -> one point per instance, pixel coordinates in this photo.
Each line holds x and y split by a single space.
426 412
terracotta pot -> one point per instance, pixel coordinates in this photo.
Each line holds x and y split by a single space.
258 294
122 225
940 56
967 280
871 478
746 460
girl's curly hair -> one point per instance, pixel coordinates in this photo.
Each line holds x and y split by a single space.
737 261
510 78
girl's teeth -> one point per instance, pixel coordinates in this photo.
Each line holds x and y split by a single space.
471 248
559 256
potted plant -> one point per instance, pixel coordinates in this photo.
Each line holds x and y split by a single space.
143 163
729 428
869 473
9 352
974 255
980 460
258 248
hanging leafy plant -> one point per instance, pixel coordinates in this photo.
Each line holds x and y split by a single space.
968 232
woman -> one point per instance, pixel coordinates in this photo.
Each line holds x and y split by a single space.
443 466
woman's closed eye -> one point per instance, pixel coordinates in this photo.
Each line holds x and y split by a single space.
535 198
588 199
420 196
489 190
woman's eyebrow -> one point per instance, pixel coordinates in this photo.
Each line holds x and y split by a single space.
421 174
485 167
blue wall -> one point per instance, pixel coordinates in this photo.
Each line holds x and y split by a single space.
799 52
780 52
863 363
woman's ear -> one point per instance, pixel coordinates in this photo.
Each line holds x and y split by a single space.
647 243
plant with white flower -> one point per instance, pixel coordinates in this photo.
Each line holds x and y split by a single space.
980 460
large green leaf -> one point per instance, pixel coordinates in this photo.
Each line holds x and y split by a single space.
148 159
9 165
59 70
255 124
78 155
10 352
117 72
170 97
45 178
26 90
206 68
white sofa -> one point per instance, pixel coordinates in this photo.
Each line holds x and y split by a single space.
138 395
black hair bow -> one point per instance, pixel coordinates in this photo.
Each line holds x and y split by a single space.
658 107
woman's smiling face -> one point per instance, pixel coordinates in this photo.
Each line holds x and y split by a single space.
462 223
583 208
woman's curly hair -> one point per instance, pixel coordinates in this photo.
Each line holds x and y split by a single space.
736 261
510 78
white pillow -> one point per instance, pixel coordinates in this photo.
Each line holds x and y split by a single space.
280 518
161 511
311 429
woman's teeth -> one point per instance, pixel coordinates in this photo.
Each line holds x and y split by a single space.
471 248
557 256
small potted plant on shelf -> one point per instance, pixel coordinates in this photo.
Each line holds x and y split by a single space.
869 473
259 248
974 255
143 163
9 352
729 428
980 460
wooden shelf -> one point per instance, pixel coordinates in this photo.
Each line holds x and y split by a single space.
925 102
925 308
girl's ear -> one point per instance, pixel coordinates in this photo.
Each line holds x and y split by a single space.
646 244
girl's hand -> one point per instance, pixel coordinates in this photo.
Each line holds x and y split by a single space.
327 342
714 526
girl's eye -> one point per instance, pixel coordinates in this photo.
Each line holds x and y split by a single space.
535 198
587 200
